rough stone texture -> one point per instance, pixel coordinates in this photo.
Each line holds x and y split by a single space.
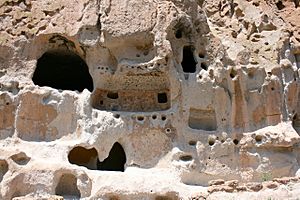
178 93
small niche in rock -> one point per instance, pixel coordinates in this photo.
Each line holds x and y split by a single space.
258 138
115 160
20 158
188 61
112 95
178 34
117 116
163 118
67 187
202 119
236 141
233 73
84 157
186 158
201 55
280 5
192 143
140 118
211 141
162 97
63 70
3 168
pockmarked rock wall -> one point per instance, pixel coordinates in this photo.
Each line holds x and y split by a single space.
149 99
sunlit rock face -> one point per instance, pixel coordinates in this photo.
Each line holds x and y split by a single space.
146 99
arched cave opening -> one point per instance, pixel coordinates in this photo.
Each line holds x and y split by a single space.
89 158
62 70
67 187
84 157
115 160
188 61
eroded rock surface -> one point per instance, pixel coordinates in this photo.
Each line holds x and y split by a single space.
145 99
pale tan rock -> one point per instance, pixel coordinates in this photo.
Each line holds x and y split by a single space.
254 186
270 184
216 182
52 197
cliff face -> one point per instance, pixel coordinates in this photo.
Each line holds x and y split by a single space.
147 99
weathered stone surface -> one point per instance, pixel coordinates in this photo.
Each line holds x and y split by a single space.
216 182
144 99
254 186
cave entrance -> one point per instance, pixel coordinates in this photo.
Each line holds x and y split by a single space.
62 70
67 187
89 158
115 160
188 61
84 157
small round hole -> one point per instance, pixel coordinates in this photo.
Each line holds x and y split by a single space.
163 118
236 141
211 142
258 138
168 130
7 103
178 34
116 116
272 88
140 118
192 142
201 55
154 117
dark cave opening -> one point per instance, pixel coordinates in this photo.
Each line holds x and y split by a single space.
162 97
63 70
67 187
84 157
89 158
188 61
115 160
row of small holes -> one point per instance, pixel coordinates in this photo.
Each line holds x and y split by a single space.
211 142
141 118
